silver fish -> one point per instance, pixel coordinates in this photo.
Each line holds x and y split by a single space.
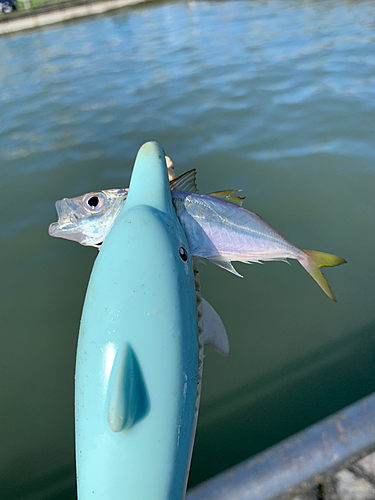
217 228
88 219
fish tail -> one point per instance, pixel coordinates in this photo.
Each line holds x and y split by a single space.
312 261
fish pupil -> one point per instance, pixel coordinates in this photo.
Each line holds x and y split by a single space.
183 254
93 201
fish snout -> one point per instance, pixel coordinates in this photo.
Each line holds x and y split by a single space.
53 228
62 208
67 220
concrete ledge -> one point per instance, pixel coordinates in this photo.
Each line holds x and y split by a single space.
305 460
59 16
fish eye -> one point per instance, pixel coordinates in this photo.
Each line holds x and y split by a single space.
183 254
94 202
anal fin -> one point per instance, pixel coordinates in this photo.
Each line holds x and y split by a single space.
225 265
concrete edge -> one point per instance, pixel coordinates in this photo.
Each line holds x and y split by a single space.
59 16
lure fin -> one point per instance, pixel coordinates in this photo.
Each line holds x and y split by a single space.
226 265
228 196
185 182
313 261
214 332
127 395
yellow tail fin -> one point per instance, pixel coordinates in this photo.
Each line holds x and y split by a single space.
313 261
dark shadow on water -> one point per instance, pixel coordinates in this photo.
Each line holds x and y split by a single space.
258 415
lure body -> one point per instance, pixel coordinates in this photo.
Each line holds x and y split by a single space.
137 357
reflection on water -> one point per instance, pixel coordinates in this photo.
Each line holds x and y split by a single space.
274 97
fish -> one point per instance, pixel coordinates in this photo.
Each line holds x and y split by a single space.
218 229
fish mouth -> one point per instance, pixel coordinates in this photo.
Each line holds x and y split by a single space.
58 229
66 223
53 228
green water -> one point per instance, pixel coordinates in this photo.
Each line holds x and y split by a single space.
274 97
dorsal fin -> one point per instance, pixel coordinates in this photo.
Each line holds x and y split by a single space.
185 182
228 196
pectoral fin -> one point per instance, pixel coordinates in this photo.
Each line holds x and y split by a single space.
214 332
127 395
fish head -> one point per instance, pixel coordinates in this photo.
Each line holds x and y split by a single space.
87 219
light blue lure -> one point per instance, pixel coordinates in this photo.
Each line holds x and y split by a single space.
137 358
